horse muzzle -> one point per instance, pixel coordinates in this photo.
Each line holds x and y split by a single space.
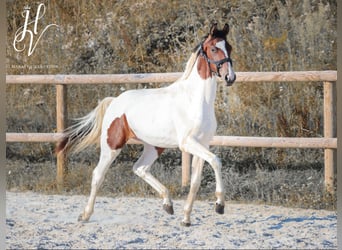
230 79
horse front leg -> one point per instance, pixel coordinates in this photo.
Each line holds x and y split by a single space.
106 158
195 148
197 167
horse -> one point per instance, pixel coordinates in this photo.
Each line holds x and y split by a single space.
179 115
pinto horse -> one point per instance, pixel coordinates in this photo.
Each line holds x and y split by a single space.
179 115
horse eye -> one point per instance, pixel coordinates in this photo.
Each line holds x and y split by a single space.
213 49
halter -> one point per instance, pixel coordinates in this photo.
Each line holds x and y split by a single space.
217 63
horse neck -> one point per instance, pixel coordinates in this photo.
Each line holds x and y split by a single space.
198 87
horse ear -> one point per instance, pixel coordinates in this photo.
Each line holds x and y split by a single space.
213 29
226 28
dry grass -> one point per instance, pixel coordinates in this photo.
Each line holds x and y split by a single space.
101 37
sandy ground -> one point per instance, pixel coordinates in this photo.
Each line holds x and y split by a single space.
50 222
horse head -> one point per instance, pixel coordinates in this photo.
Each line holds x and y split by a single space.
215 55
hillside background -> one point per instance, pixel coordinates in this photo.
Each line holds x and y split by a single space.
108 37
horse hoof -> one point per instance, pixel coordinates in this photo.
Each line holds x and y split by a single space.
80 218
219 208
168 208
185 224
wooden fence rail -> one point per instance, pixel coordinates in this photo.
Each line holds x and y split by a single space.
283 76
231 141
328 143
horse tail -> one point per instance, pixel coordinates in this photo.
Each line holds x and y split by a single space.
86 131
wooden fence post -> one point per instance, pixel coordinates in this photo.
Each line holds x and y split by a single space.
61 116
330 154
186 159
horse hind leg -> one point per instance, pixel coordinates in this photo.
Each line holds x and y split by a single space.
142 169
107 156
112 141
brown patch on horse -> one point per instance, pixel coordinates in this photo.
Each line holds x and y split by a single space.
119 133
203 68
159 150
61 145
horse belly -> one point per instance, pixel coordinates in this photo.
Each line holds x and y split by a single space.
155 133
152 123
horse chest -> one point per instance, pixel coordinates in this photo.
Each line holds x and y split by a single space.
204 122
202 115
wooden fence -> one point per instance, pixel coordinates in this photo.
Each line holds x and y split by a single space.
328 142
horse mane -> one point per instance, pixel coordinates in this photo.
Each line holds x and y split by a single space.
190 63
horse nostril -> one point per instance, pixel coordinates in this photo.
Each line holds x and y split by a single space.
230 80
